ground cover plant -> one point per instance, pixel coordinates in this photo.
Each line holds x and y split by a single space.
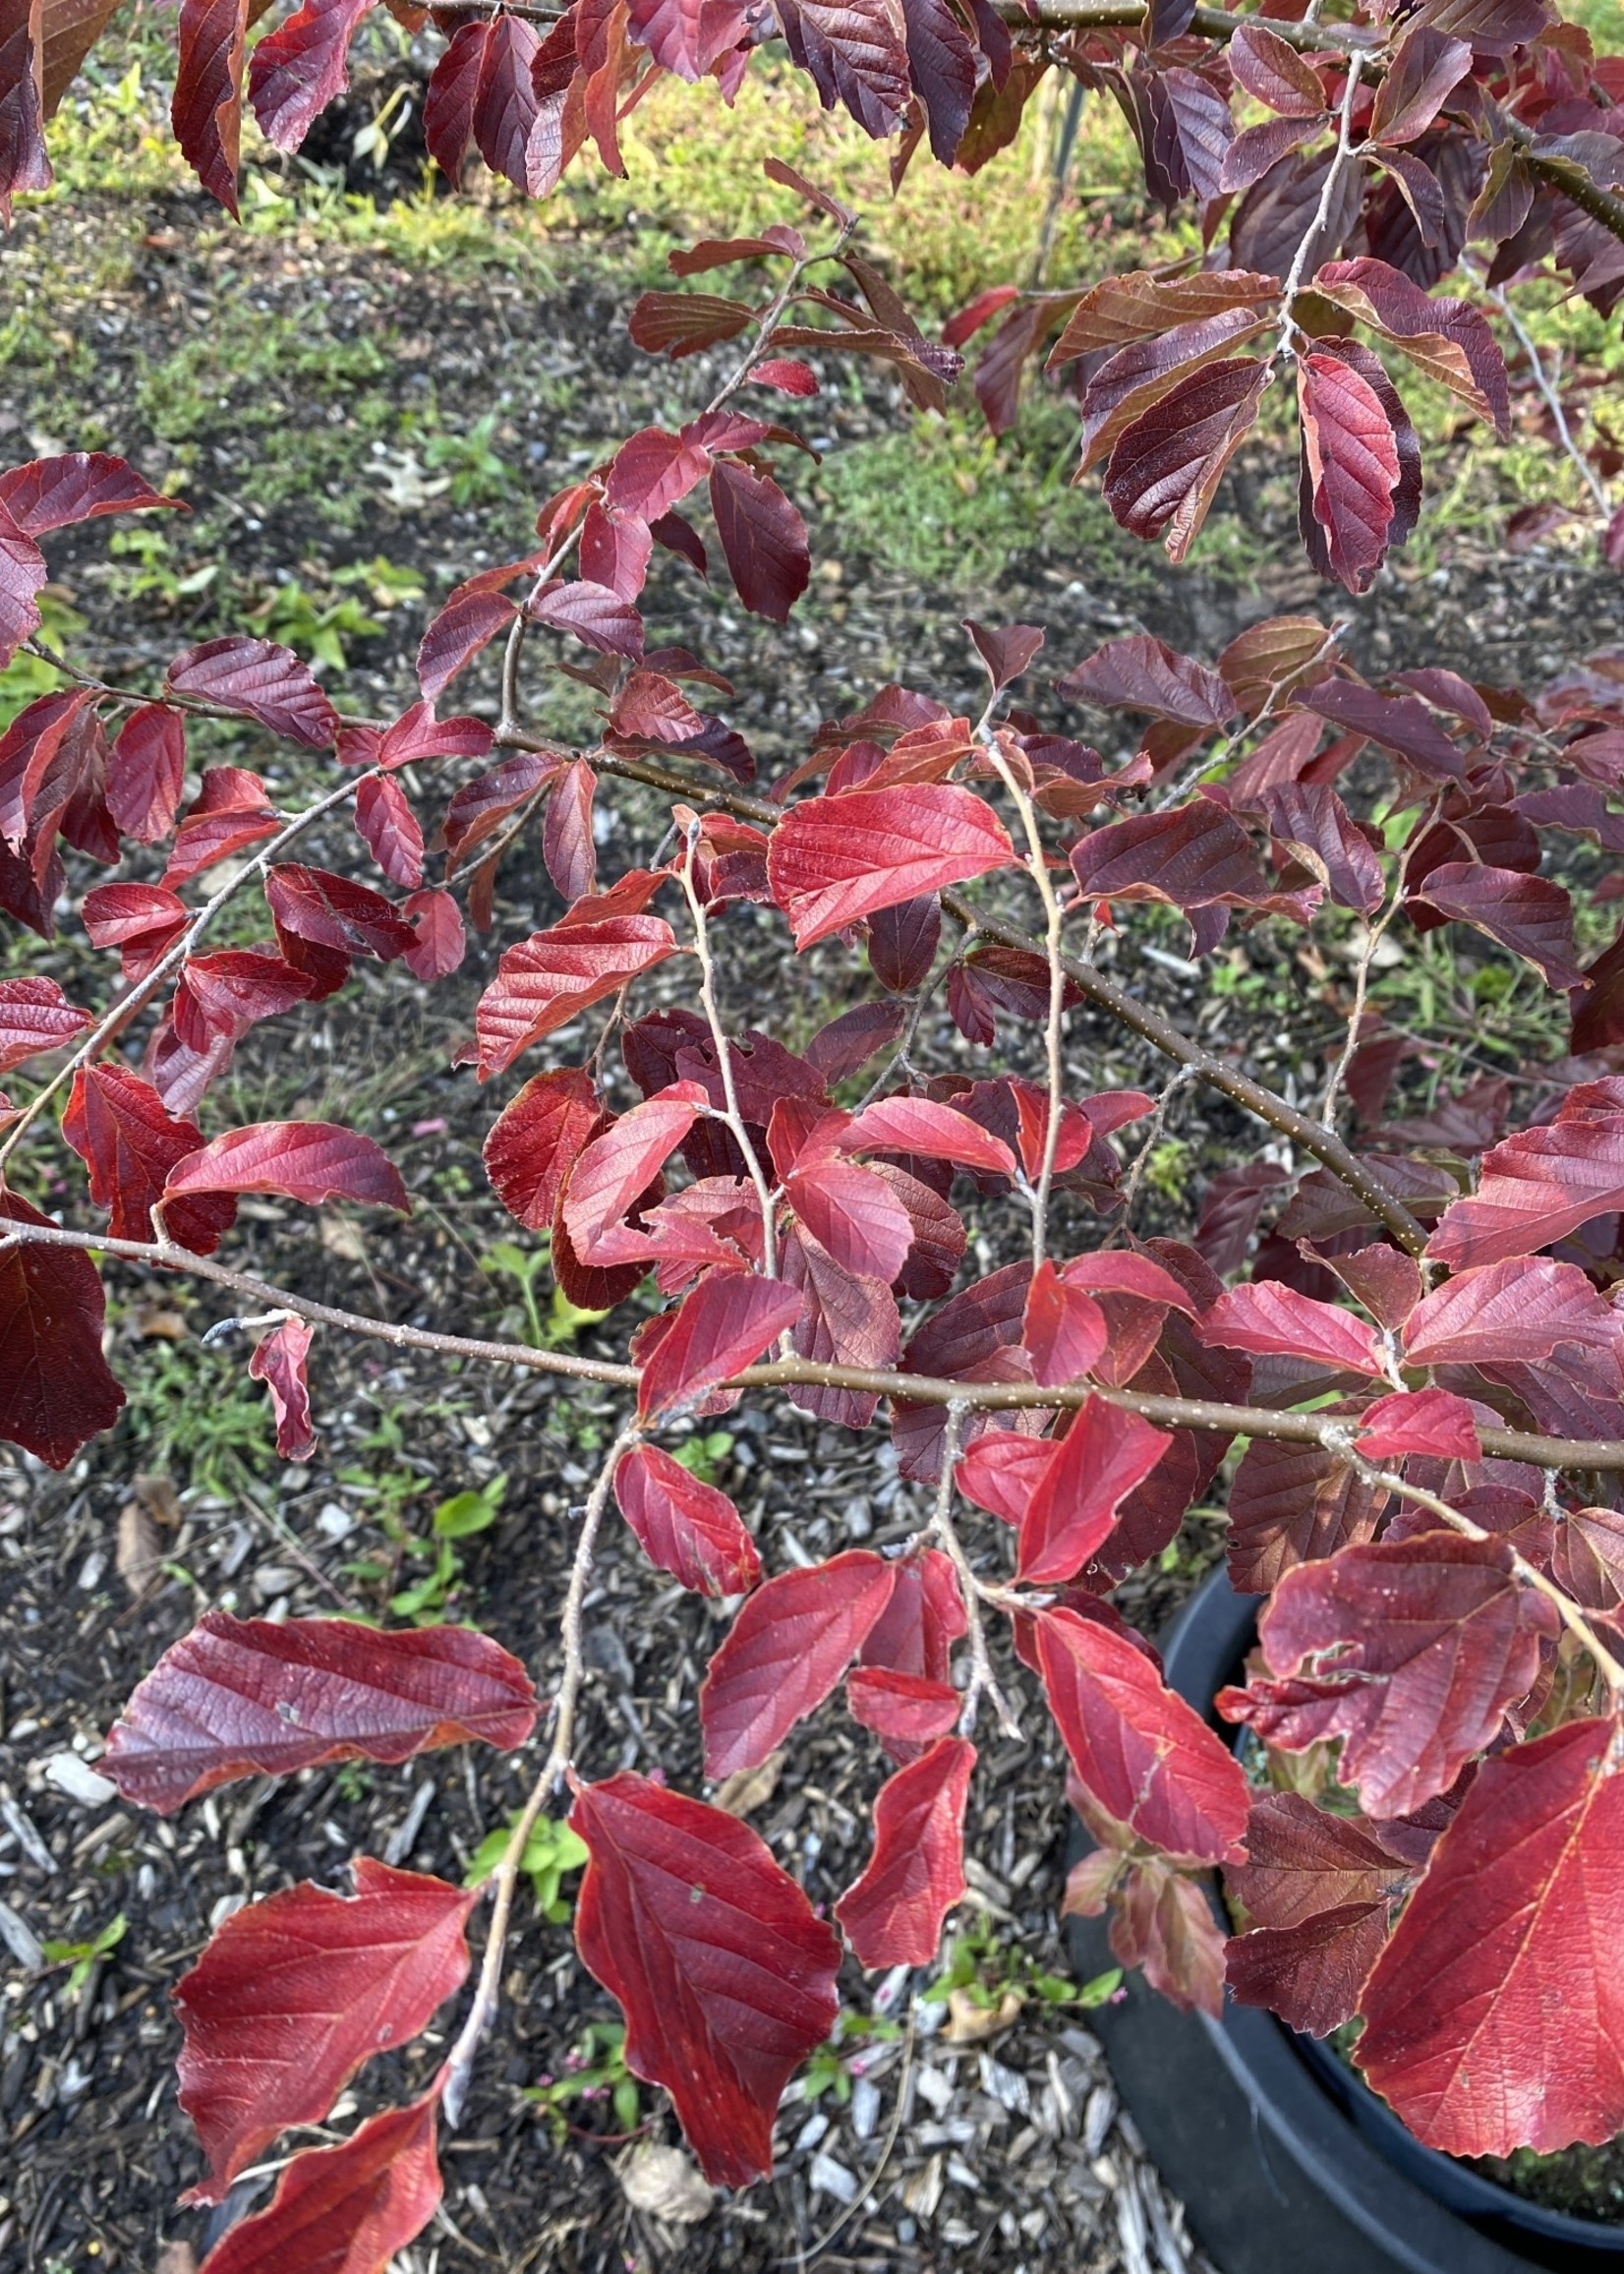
1423 1371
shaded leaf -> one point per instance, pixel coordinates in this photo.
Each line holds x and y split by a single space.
788 1647
892 1914
56 1391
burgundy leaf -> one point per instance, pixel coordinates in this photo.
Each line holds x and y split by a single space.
1105 1454
306 1160
907 1712
1267 1316
725 1977
1165 469
1275 74
853 53
251 1697
1145 1756
1529 915
1351 464
300 67
1480 2028
788 1647
331 912
1533 1189
145 772
724 1325
599 617
622 1162
23 572
568 848
442 940
56 1391
206 112
892 1914
36 1016
545 980
1428 1420
232 811
1410 1650
1290 1504
837 859
259 680
686 1527
1519 1309
118 1125
347 2209
280 1361
390 830
536 1139
763 540
337 1980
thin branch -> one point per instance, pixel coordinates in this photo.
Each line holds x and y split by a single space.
732 1119
1341 158
1038 864
983 1681
459 2061
1553 403
920 1389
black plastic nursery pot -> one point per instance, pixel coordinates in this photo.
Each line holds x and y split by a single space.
1285 2162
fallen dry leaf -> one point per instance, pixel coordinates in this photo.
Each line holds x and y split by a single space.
971 2025
176 2258
140 1554
664 2183
747 1790
156 1490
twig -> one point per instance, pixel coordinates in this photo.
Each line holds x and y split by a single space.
1553 403
1340 158
816 2250
983 1681
733 1120
1038 864
1152 1138
458 2064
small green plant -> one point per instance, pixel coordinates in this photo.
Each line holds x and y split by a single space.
550 1852
314 627
595 2070
479 476
194 1413
154 572
80 1957
832 2068
28 676
703 1457
558 1326
426 1602
984 1970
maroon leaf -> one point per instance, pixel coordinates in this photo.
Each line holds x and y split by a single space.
687 37
228 992
300 67
1312 820
1534 1188
545 980
1428 1420
259 680
1275 74
536 1140
1351 464
1448 339
1290 1504
390 830
250 1697
1165 469
568 848
907 1712
1529 914
1425 69
23 572
231 813
1479 2029
599 617
56 1391
686 1527
763 540
892 1914
280 1361
680 323
1145 1756
306 1160
467 624
1412 1650
1521 1309
721 1327
206 112
29 752
837 859
331 912
440 939
1106 1452
784 1652
725 1977
36 1016
1320 1889
1268 1316
78 486
118 1126
348 2209
1140 673
341 1979
852 52
23 164
145 772
1194 855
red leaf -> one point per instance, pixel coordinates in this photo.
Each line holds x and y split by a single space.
56 1391
1105 1454
306 1160
1165 469
78 486
836 859
852 52
536 1140
854 1217
893 1915
298 69
1428 1420
279 1362
448 103
974 1337
228 992
1412 1650
29 750
332 911
934 1132
1145 1756
468 622
1448 339
1267 1316
907 1712
442 940
505 114
844 1320
415 733
1519 1309
915 1632
232 811
1533 1189
763 540
22 571
348 2209
145 772
1351 459
1002 1471
789 1645
686 1527
117 1125
23 164
568 850
1529 915
251 1697
36 1016
1063 1331
724 1325
545 980
1486 2025
1140 673
207 111
481 806
390 830
259 680
785 372
338 1979
725 1977
622 1162
599 617
1399 723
